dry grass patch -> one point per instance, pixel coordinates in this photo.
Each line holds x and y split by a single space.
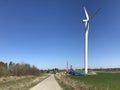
20 83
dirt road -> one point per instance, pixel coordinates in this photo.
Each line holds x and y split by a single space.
48 84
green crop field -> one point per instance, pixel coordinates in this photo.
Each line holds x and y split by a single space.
101 81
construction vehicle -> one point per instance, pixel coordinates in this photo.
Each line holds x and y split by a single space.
73 72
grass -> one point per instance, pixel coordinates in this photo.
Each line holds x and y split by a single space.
22 84
101 81
63 85
15 84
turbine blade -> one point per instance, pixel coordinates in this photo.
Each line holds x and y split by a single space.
86 13
95 14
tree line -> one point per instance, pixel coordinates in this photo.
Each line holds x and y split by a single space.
18 69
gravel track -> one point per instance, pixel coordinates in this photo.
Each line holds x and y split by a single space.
48 84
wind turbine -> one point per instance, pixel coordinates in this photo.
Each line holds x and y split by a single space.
86 21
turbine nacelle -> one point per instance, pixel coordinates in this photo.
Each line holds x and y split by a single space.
85 21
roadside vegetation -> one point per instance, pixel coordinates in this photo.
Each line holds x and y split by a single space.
20 76
16 84
64 85
69 84
21 83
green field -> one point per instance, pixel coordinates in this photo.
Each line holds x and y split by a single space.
101 81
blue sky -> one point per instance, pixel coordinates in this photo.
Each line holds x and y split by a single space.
48 33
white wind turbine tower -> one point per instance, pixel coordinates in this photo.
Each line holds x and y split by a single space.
86 21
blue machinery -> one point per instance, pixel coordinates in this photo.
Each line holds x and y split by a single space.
73 72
